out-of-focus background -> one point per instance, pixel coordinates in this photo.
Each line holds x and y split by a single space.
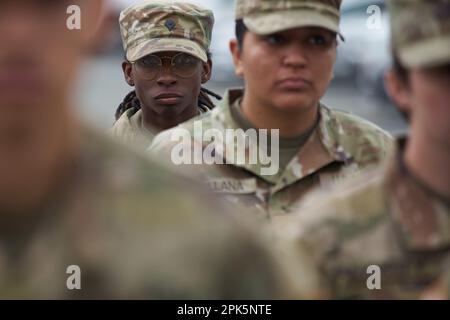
357 86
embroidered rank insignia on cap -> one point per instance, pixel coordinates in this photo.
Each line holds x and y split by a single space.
170 24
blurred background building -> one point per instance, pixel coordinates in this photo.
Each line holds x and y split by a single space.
357 86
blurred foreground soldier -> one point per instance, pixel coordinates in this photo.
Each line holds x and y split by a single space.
82 218
439 290
285 51
386 234
167 60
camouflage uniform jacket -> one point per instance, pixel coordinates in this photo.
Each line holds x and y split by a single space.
382 218
341 144
116 219
129 128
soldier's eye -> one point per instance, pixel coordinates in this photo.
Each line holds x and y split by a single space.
274 39
319 40
150 61
185 60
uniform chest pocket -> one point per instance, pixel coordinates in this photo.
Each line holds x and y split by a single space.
233 186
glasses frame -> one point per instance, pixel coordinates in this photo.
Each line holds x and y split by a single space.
161 66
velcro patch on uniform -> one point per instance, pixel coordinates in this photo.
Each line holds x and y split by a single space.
237 186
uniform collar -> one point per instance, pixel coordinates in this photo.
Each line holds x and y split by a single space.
321 149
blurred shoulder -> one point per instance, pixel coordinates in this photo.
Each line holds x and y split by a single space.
122 173
331 214
183 132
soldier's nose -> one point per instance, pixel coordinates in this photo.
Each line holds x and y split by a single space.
166 77
295 57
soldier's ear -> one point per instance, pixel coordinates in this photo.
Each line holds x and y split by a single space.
236 53
128 74
398 91
207 71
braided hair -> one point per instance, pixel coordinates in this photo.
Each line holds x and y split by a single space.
131 101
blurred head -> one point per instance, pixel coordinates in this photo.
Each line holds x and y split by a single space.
167 53
285 50
39 57
420 80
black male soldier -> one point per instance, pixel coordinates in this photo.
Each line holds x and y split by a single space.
168 58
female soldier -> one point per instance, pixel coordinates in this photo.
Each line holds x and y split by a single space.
285 52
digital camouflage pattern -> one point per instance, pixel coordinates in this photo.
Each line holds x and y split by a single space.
136 232
157 25
341 145
271 16
424 43
382 218
130 128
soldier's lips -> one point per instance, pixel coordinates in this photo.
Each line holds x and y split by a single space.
168 99
294 83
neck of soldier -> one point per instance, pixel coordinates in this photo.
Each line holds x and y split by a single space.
289 123
159 122
35 161
429 160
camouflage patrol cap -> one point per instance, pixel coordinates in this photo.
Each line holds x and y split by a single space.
421 32
271 16
157 25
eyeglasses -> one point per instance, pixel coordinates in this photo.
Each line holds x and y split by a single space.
182 65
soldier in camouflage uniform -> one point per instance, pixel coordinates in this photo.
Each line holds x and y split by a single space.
285 51
71 197
155 33
396 217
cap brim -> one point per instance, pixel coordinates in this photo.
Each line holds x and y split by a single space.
166 44
264 24
426 54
